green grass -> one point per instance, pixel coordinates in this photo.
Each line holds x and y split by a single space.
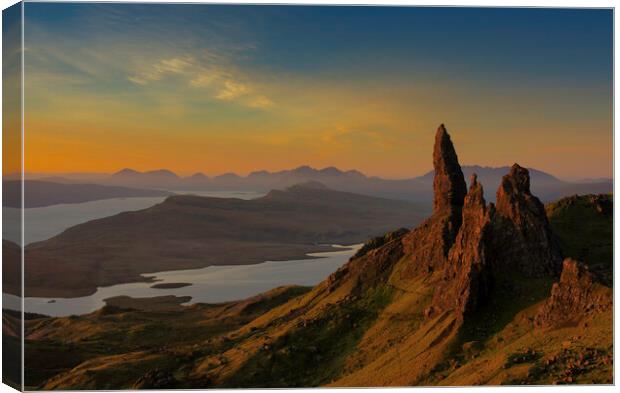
584 232
512 294
268 304
190 331
314 354
570 366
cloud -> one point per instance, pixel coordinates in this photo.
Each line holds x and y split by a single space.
160 69
232 90
214 72
261 102
203 80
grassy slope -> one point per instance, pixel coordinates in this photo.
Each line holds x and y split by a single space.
315 354
501 345
586 233
521 353
56 345
343 336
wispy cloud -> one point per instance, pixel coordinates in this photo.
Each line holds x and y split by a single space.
213 72
159 70
232 90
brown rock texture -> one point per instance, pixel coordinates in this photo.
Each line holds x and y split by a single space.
155 379
472 243
523 237
379 241
449 188
449 184
466 278
430 243
373 266
575 294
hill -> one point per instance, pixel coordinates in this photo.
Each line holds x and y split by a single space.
584 224
186 232
477 294
417 189
39 193
160 178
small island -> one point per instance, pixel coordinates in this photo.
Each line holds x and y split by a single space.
171 285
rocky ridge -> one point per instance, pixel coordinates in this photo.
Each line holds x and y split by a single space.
472 241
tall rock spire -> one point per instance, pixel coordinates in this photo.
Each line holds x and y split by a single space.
525 240
449 184
429 244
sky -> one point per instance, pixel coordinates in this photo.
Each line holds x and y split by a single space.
223 88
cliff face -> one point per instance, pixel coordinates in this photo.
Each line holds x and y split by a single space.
573 296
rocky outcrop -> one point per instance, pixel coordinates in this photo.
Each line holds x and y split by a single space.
379 241
473 243
572 297
466 279
449 188
449 184
523 237
372 266
430 243
155 379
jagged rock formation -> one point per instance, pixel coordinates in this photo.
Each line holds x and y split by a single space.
523 237
430 243
573 296
448 184
473 242
466 277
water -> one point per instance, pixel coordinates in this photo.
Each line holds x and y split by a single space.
212 284
41 223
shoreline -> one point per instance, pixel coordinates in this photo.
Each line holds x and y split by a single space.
296 253
56 306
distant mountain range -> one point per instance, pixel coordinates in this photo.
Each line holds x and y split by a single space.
418 189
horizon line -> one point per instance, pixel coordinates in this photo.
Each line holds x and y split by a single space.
186 174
